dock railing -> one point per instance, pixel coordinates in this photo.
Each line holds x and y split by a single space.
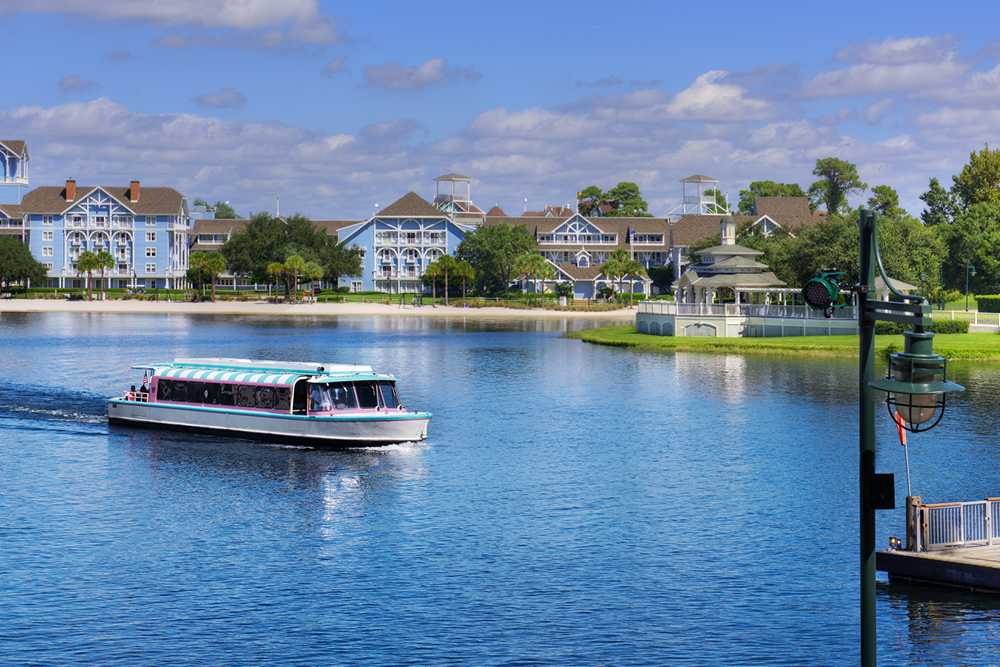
742 310
956 525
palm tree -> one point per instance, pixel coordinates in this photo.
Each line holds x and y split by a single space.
276 269
293 265
621 256
433 270
214 264
312 272
88 262
197 261
633 269
612 269
464 271
524 266
447 264
105 261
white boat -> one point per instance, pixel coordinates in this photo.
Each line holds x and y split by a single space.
310 404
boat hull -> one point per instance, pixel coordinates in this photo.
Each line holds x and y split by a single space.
359 429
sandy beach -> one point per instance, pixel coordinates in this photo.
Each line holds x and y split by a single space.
265 308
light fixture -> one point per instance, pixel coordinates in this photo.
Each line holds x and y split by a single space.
823 291
916 382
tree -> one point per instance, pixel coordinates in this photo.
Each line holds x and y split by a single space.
748 197
533 266
17 265
276 270
838 179
884 200
662 277
223 211
590 201
979 182
196 260
105 260
464 271
492 250
293 265
447 264
974 238
88 262
213 265
720 199
633 269
627 201
249 253
941 205
432 271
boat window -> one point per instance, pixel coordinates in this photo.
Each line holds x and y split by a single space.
227 395
299 397
244 396
164 390
264 398
342 396
180 391
196 392
319 398
282 398
367 395
211 393
388 391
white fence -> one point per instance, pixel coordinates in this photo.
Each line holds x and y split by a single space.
741 310
954 525
987 319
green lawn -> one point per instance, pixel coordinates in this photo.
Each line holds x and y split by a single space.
978 346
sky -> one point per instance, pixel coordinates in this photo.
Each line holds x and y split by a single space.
337 108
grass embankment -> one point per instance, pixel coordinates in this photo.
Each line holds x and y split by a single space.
973 346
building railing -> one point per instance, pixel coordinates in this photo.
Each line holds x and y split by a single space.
956 525
21 180
741 310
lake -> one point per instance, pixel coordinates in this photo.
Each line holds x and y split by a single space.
572 505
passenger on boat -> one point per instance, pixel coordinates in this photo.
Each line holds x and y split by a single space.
320 399
130 396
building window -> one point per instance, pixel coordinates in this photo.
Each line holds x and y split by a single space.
151 268
76 220
47 251
47 236
151 221
150 251
151 238
48 266
121 221
100 221
123 268
46 219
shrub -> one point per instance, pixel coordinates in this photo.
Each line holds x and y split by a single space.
939 326
344 289
988 303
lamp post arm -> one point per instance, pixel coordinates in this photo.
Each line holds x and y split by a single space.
881 269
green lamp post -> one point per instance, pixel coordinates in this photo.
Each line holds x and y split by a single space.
915 389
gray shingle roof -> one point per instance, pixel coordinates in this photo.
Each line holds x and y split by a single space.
15 146
411 205
152 201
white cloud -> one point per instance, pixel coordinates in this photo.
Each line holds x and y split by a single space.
882 79
874 112
390 129
248 23
433 72
225 98
335 66
76 84
901 51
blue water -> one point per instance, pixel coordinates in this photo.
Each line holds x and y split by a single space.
573 505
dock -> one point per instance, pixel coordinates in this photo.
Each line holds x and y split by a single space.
949 544
970 568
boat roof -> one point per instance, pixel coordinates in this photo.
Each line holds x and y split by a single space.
258 371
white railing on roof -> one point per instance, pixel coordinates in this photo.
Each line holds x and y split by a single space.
741 310
956 525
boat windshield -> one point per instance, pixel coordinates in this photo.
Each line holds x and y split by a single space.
352 396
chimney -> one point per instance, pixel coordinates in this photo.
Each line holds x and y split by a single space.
70 189
134 192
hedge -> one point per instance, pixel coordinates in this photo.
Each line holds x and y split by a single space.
988 303
939 326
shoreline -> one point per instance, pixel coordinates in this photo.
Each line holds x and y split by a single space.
311 309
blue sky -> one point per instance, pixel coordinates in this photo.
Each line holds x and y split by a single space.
336 107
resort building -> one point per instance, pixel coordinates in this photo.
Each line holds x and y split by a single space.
401 240
14 158
144 229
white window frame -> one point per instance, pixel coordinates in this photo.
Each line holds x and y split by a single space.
47 236
150 251
151 221
46 219
150 268
47 251
48 265
150 237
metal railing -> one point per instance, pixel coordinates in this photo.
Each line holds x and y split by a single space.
956 525
742 310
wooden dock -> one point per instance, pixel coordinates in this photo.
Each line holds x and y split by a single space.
974 568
